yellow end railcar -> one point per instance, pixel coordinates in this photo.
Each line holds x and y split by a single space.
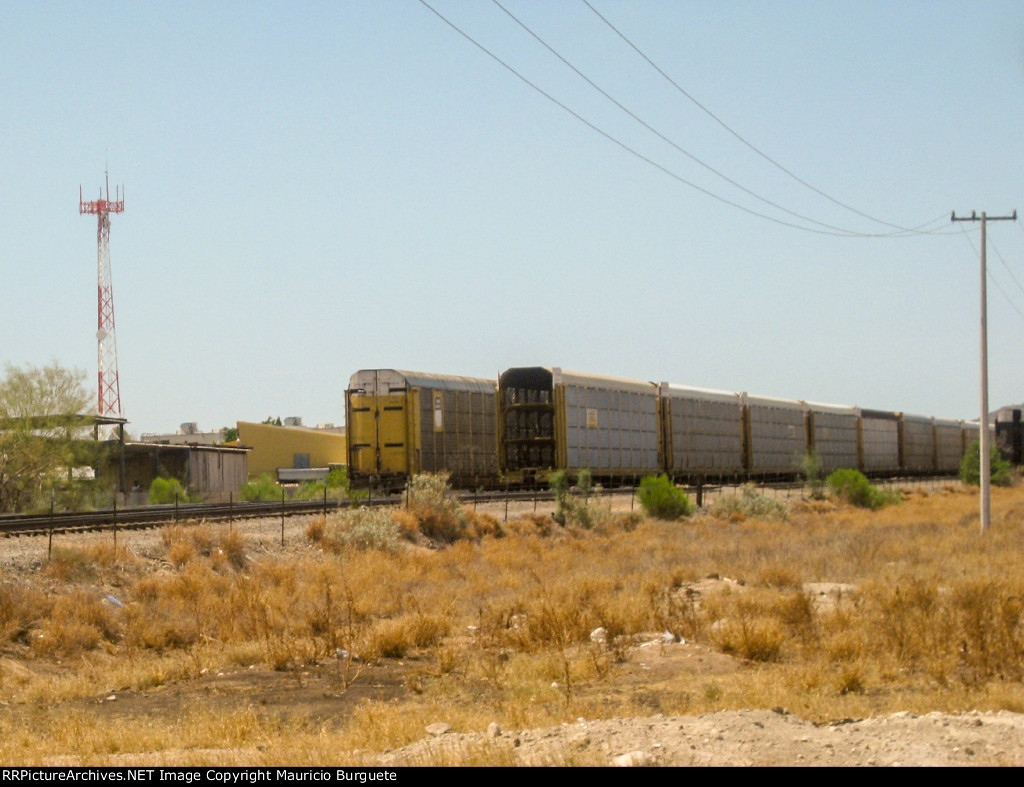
402 423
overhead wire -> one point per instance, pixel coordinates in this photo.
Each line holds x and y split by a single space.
660 135
988 273
903 232
743 140
1005 265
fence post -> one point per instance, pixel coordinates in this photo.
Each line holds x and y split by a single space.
49 544
231 511
115 527
282 516
325 500
506 501
175 506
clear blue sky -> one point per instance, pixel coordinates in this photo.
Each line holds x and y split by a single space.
314 188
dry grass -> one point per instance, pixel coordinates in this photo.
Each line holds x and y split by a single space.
503 621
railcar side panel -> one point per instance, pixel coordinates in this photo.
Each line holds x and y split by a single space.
833 434
610 427
457 433
702 432
879 442
949 446
776 435
917 444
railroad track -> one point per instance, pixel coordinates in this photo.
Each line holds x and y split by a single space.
160 515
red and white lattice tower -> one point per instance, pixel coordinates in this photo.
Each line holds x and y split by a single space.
109 387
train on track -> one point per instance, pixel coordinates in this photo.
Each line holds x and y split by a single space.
532 421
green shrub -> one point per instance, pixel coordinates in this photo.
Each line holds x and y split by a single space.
811 474
854 487
309 490
1000 472
166 490
569 511
749 503
263 490
338 482
662 499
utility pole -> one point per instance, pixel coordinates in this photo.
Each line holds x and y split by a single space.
983 438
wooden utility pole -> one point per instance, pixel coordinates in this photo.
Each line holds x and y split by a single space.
985 474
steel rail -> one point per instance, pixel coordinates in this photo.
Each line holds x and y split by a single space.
158 515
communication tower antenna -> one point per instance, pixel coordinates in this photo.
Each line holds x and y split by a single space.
109 387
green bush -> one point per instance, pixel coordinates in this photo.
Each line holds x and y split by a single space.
811 474
309 490
166 490
263 490
1000 472
854 487
662 499
569 511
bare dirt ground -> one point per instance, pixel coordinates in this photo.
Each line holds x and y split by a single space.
763 737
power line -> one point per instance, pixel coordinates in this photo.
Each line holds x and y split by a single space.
990 277
661 136
1008 269
751 146
843 233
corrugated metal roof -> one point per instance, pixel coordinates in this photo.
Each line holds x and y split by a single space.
560 377
840 409
398 378
690 392
769 401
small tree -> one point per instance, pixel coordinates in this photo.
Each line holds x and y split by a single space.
854 487
664 500
811 473
42 420
262 490
164 491
1000 472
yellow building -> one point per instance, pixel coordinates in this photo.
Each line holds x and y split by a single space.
290 448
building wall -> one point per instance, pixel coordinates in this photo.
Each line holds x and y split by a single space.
211 474
216 475
276 446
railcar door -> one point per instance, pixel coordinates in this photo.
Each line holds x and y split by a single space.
377 428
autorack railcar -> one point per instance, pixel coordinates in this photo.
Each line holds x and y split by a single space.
776 436
537 420
917 444
550 419
702 432
878 441
832 434
402 423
